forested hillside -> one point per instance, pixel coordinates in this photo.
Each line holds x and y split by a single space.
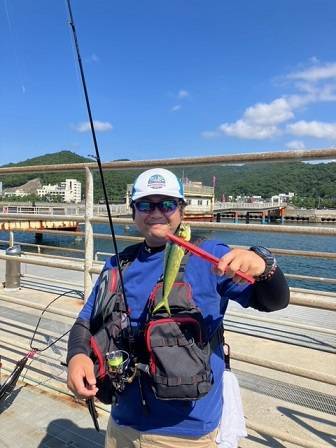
310 181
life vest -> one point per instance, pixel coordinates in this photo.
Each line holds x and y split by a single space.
171 351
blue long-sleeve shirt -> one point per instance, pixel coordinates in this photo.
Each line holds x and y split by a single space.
211 294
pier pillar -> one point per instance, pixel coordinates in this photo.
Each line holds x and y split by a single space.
38 237
263 218
88 233
11 239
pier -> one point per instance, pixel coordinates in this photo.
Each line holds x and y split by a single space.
266 212
260 211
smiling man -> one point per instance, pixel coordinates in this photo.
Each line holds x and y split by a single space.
179 361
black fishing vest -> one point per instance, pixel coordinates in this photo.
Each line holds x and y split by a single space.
172 352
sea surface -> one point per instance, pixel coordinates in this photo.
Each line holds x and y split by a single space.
316 267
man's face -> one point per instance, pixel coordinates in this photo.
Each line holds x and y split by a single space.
155 222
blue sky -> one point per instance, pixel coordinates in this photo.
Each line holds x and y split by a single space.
167 78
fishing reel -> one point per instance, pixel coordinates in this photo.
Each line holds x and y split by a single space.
121 369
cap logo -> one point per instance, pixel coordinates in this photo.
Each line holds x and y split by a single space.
156 181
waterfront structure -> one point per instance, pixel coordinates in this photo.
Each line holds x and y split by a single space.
68 191
282 197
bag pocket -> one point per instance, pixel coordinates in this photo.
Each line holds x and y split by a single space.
179 361
101 343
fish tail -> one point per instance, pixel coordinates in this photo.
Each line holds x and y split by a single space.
162 304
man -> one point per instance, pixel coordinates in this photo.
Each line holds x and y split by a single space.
158 204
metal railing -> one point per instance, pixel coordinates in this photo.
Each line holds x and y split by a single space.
62 210
248 205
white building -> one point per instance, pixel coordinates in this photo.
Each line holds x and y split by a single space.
18 192
68 191
281 198
49 190
72 190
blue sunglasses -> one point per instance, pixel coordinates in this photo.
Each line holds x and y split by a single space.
165 206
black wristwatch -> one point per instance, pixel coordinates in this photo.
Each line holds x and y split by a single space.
269 259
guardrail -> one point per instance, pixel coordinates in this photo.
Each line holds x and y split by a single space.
10 211
248 205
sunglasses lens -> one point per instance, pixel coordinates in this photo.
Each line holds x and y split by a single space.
144 206
165 206
169 205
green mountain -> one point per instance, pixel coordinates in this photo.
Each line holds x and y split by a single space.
116 181
316 181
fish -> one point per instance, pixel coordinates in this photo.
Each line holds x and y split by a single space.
173 257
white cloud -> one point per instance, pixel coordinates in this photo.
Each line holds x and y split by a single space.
93 58
295 144
100 126
273 113
261 121
315 129
243 129
210 134
176 108
183 94
315 74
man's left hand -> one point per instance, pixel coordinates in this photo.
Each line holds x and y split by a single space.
242 260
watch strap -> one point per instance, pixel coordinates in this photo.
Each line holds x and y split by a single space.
270 261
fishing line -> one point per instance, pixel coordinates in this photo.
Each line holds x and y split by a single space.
97 156
8 386
19 66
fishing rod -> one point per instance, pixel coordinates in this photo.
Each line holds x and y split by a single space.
95 143
90 401
8 386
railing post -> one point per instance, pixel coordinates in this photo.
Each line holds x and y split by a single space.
88 233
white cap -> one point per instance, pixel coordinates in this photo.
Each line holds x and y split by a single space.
157 181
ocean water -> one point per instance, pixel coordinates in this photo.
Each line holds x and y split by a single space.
294 265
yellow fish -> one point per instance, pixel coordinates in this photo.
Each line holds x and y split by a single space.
173 258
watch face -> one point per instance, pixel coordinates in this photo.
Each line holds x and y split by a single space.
264 253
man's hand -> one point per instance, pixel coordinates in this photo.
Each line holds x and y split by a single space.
242 260
81 380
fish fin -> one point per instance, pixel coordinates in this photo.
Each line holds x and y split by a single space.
162 304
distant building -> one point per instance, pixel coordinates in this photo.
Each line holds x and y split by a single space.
0 188
18 192
200 200
256 199
72 190
68 191
282 197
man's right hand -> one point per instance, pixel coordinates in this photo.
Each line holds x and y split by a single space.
81 379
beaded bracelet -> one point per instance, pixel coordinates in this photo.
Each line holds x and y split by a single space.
267 275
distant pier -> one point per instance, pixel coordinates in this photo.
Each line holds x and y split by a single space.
267 212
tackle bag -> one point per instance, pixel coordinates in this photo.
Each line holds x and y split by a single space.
178 347
110 330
